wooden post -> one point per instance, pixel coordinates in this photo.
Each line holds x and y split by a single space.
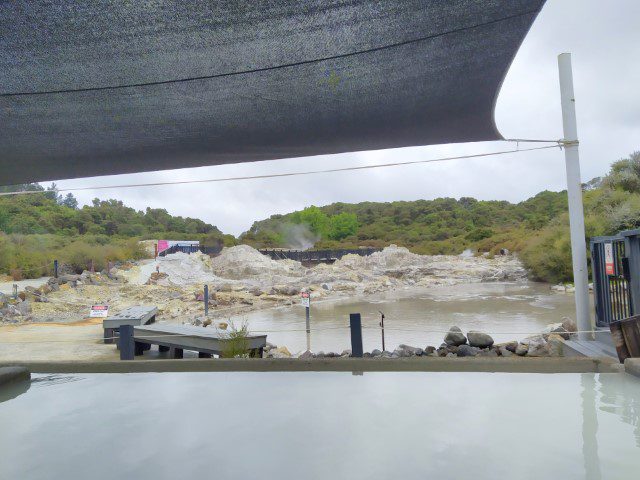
206 300
109 333
55 269
355 322
176 352
382 328
126 343
308 329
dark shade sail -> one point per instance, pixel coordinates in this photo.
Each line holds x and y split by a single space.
99 87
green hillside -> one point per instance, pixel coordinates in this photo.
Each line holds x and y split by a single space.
37 228
536 228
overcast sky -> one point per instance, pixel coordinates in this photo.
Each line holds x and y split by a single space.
604 39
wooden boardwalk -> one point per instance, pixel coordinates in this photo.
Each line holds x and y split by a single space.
177 338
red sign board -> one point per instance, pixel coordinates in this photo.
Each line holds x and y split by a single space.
609 266
306 299
99 311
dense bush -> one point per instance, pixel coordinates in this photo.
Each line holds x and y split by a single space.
32 256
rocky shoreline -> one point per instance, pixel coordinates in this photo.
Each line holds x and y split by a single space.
457 344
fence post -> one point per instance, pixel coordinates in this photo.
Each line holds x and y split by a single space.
632 251
596 276
355 323
126 342
55 269
206 300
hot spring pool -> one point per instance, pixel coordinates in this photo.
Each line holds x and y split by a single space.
322 425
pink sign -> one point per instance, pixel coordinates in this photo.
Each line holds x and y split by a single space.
162 245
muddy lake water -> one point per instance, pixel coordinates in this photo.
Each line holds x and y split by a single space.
507 311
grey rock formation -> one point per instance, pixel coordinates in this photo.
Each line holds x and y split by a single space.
479 339
455 337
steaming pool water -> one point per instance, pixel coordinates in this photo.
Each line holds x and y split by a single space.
319 425
507 311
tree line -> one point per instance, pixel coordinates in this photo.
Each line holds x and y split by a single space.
38 227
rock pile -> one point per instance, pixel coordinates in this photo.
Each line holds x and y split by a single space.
456 344
14 310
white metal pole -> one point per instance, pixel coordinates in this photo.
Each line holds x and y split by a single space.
574 190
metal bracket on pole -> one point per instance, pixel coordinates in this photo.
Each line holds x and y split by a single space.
574 190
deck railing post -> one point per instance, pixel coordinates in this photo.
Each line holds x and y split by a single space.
355 322
126 342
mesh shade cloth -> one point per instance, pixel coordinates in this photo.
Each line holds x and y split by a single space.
105 87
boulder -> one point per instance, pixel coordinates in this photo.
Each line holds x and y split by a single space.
280 352
346 353
23 308
467 351
68 278
569 324
411 350
505 352
522 349
375 352
284 351
429 350
306 355
511 346
455 337
488 352
538 347
398 352
479 339
557 330
555 343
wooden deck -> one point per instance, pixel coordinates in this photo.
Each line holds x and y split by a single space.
177 338
138 315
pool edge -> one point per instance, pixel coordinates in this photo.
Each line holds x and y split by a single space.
417 364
